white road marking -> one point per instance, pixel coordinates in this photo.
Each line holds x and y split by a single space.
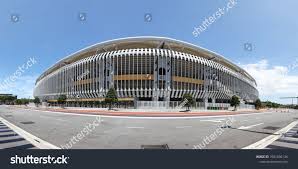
181 127
248 127
60 120
47 117
37 142
135 127
270 139
215 120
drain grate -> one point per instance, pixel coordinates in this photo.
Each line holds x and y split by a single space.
271 128
163 146
27 122
226 126
8 115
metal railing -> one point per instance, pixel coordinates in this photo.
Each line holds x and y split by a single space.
177 105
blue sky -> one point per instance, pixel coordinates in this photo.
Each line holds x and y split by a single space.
48 30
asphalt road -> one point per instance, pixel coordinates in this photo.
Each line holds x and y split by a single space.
137 132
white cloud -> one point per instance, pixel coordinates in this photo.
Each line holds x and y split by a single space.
22 87
273 81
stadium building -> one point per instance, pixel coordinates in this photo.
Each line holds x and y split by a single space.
146 71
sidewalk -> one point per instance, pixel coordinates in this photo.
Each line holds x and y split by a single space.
145 113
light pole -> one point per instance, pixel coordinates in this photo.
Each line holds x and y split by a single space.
296 97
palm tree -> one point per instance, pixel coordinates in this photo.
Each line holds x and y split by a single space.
189 101
61 100
111 97
235 102
258 104
36 101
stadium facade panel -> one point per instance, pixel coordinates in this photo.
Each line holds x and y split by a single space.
148 69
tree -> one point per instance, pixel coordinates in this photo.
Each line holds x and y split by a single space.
7 99
97 103
235 102
18 101
111 97
61 100
188 101
258 104
22 101
36 101
25 101
270 104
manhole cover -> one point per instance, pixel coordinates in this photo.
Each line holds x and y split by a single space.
27 122
271 128
163 146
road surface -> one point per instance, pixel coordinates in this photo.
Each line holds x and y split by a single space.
220 132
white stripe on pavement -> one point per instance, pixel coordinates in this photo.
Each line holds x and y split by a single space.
270 139
135 127
181 127
248 127
214 121
37 142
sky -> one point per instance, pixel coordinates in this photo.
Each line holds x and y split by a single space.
36 34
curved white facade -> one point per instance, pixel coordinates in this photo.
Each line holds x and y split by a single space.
145 68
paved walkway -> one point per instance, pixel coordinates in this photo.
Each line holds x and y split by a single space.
142 113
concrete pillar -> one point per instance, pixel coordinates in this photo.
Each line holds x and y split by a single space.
206 103
110 72
135 101
155 80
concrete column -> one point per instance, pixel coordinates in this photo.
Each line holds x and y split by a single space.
155 76
135 102
206 103
110 70
168 78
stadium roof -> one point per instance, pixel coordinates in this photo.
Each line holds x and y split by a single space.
145 42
